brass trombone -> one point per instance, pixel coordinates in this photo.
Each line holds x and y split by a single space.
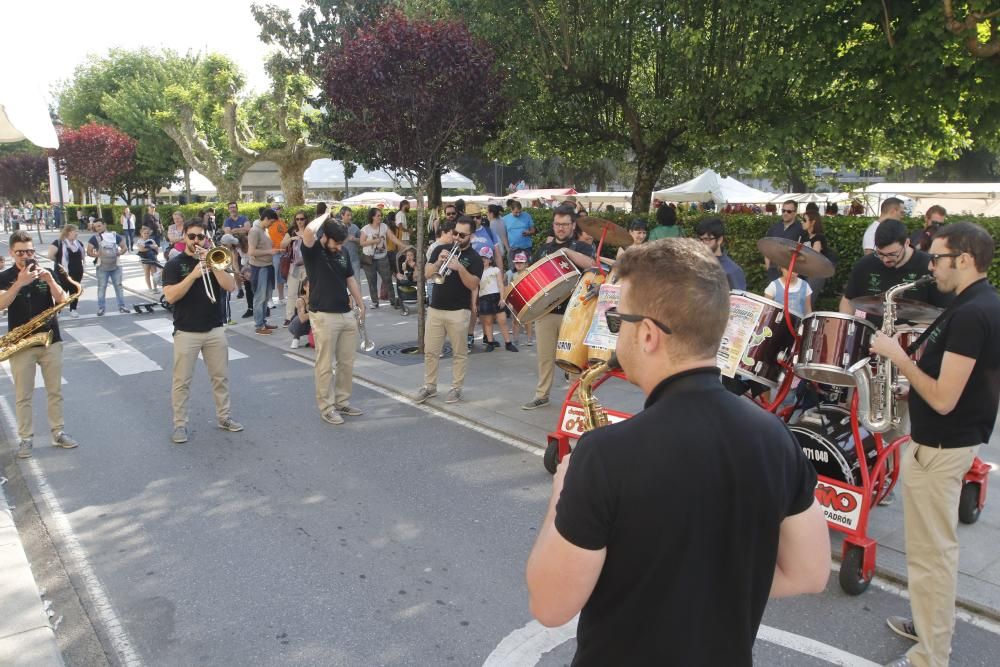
218 259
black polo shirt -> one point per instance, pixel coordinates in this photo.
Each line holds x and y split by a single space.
554 246
794 232
687 497
195 312
31 300
327 273
871 277
452 294
971 328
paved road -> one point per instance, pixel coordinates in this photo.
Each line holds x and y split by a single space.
398 538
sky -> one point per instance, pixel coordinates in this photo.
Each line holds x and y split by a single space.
59 35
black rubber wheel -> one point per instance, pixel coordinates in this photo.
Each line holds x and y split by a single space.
968 503
851 580
551 458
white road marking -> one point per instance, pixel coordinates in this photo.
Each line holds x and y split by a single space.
39 381
469 424
812 648
102 602
164 328
118 355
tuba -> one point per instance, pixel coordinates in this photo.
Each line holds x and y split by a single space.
27 335
877 409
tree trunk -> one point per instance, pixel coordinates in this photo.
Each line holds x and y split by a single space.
421 261
292 175
795 181
97 200
434 190
187 184
647 172
228 190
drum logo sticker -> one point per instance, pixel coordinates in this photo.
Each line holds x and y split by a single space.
841 506
756 339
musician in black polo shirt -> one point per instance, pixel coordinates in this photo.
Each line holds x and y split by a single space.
682 520
452 303
26 291
954 393
335 329
547 326
198 328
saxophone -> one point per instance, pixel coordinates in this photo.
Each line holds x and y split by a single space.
877 409
27 335
594 414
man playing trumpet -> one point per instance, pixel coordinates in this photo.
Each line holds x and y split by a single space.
190 285
26 291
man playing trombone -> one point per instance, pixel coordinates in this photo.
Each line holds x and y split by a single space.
331 286
193 287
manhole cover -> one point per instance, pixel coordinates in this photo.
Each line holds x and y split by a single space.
403 354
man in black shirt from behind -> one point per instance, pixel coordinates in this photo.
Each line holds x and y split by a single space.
954 393
686 517
451 306
26 291
547 327
198 328
335 329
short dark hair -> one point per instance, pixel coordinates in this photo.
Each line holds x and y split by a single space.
20 236
696 307
445 226
832 209
666 216
565 209
791 202
232 203
334 231
460 205
890 231
194 223
936 209
514 203
346 209
268 214
889 203
321 208
713 226
465 220
812 207
967 237
637 223
260 211
495 209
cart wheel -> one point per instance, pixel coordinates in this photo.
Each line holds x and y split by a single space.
968 504
551 458
852 581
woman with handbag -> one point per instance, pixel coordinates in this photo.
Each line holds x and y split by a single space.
375 255
292 267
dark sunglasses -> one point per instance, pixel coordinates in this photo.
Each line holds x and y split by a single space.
25 253
196 237
451 214
941 255
300 219
463 235
788 210
615 319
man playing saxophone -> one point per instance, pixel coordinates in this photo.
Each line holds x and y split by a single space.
28 291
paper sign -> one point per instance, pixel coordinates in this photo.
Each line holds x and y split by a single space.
744 314
599 335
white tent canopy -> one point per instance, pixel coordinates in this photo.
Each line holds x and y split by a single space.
709 186
24 113
937 190
549 194
389 199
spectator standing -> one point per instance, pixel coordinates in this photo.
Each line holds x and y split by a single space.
106 248
891 209
403 223
152 220
494 221
375 255
800 294
236 224
637 230
67 253
520 228
788 227
128 227
812 224
490 306
261 251
278 230
148 251
712 232
666 223
353 243
934 217
296 269
520 264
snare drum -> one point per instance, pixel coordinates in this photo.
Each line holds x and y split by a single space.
758 333
541 287
831 344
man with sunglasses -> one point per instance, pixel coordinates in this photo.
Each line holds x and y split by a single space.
332 285
677 524
788 227
26 291
198 328
954 393
547 326
450 308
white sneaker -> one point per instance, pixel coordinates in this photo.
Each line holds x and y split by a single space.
74 314
295 343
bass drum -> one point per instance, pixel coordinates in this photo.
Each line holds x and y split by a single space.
824 433
571 352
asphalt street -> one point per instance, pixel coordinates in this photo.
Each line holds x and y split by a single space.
398 538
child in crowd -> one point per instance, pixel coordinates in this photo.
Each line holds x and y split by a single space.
520 263
799 293
300 325
490 306
147 250
232 244
406 282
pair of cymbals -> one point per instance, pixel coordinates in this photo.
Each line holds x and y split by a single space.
808 262
616 235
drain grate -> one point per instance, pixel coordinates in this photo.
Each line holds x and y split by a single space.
403 354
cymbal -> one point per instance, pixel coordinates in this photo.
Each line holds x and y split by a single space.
906 309
617 236
809 262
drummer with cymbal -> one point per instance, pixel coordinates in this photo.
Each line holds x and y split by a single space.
547 327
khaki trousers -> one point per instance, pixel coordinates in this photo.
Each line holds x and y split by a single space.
296 275
336 336
546 335
453 324
215 350
22 367
932 485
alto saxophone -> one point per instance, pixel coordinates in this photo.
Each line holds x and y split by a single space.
877 409
27 335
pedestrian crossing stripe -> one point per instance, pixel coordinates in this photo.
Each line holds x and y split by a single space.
164 328
39 381
116 354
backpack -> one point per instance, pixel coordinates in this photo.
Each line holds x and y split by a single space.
107 251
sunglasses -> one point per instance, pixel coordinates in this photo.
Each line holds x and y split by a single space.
615 319
196 237
300 219
451 214
25 253
788 210
941 255
463 235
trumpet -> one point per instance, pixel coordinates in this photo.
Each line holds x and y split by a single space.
438 277
366 344
218 259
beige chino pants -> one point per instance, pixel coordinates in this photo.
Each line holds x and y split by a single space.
546 336
22 367
453 324
336 336
215 350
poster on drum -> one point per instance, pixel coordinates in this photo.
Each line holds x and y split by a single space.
736 341
599 335
841 506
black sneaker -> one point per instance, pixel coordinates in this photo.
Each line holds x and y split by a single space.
249 313
488 346
510 347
